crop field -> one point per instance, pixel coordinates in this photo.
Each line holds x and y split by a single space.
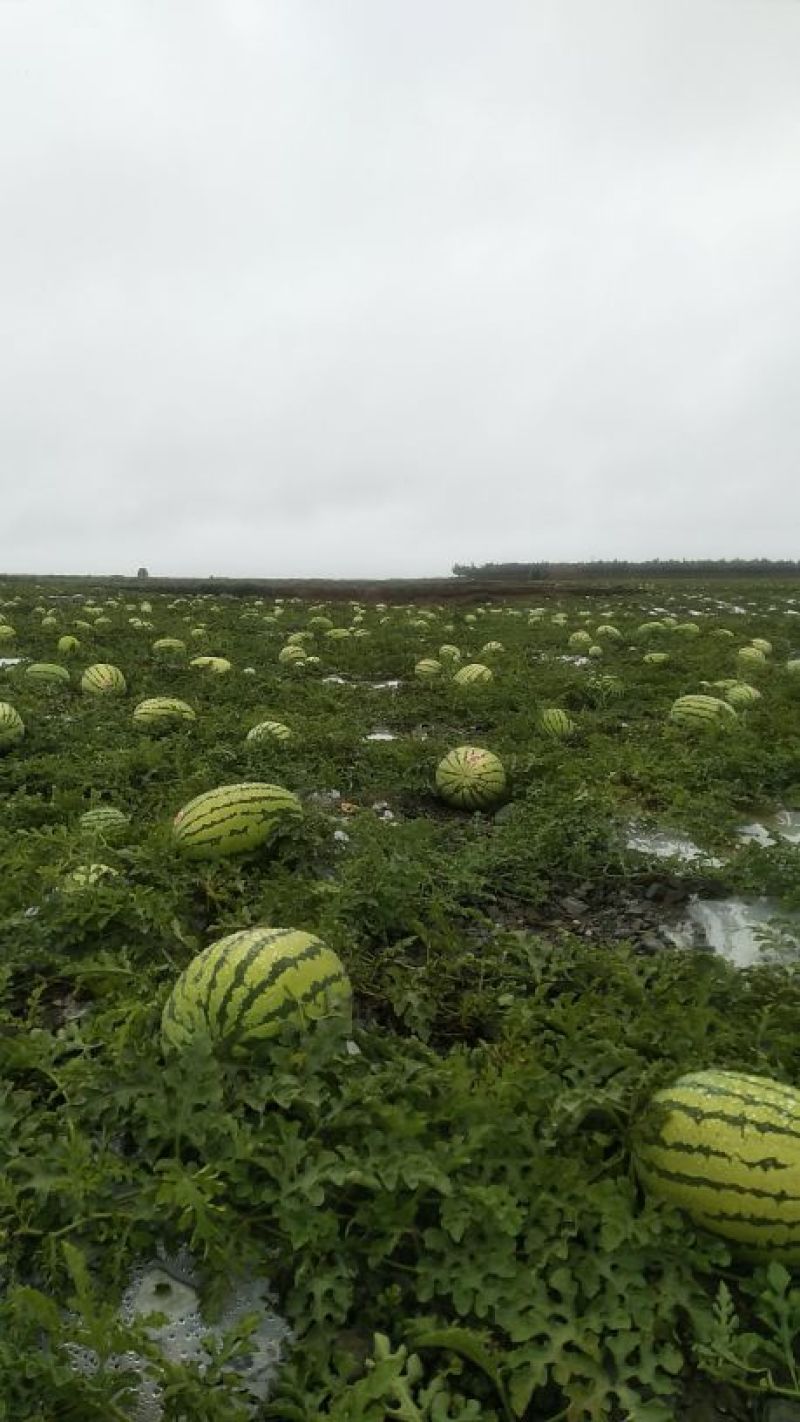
417 1143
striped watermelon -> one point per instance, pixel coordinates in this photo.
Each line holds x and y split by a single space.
269 731
102 679
687 629
702 711
606 688
105 822
656 659
216 666
240 991
169 647
7 634
161 712
793 665
87 875
291 653
762 644
12 726
725 1147
449 653
470 778
427 669
579 639
47 673
233 819
556 723
752 655
472 674
67 645
741 694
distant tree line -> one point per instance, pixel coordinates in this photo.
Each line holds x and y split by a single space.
622 567
511 572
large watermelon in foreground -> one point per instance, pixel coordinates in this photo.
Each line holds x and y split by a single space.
160 712
233 819
702 711
470 778
103 679
725 1147
241 990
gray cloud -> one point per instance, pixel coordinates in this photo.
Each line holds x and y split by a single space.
337 287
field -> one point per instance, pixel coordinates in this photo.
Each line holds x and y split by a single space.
441 1194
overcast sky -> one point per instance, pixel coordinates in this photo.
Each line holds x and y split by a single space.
322 287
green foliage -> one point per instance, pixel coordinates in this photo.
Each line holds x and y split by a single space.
443 1201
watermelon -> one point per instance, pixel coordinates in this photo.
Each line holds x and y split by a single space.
12 726
102 679
656 659
606 688
160 712
556 723
473 673
449 653
216 666
105 822
687 629
241 990
233 819
762 644
470 778
427 669
291 653
87 875
579 639
793 665
725 1147
47 673
741 694
169 647
7 634
702 711
607 630
269 731
753 655
67 645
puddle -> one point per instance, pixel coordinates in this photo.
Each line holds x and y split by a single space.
375 685
756 832
733 928
381 736
160 1288
666 845
12 661
785 825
